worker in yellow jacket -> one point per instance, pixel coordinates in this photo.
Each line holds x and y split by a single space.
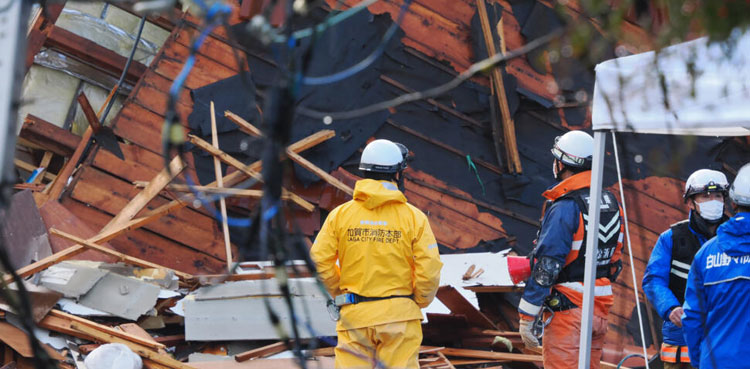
388 266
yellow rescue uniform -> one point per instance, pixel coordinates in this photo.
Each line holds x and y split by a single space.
384 247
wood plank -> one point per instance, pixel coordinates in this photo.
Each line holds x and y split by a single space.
43 165
49 136
151 246
149 192
110 195
120 256
228 159
138 349
251 130
458 304
57 216
31 167
38 32
106 329
509 130
153 94
57 186
260 352
220 185
18 340
88 51
237 177
205 70
479 354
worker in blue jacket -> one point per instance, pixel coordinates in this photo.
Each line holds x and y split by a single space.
716 323
668 267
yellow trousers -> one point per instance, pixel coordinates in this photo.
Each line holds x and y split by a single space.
393 345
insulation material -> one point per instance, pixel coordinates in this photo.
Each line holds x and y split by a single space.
96 96
105 34
129 23
47 94
230 319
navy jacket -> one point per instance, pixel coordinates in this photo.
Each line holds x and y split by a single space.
656 285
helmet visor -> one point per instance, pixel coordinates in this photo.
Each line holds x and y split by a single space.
566 158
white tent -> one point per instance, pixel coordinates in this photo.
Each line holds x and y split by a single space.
650 93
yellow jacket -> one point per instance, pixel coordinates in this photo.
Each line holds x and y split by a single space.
384 247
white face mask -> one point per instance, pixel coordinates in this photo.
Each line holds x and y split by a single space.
711 210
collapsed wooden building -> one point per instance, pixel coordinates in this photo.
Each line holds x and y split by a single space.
478 167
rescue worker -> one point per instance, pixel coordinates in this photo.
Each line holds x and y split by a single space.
668 267
388 266
716 324
554 291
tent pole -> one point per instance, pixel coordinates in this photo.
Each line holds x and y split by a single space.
589 277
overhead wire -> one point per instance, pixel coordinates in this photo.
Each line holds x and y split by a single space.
364 63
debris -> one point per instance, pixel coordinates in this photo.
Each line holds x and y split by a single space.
113 356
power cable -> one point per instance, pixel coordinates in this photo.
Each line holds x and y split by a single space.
364 63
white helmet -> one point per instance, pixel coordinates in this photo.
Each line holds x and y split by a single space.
575 148
705 181
382 156
740 190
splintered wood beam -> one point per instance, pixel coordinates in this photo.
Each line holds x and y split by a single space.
49 136
489 355
90 52
43 22
120 256
138 349
31 167
228 159
220 185
250 129
260 352
229 192
509 129
144 197
106 329
244 125
239 176
43 165
54 191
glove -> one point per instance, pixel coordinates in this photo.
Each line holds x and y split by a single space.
524 327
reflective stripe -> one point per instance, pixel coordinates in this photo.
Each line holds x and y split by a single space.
432 246
576 245
726 280
681 264
528 308
678 273
578 287
622 236
669 353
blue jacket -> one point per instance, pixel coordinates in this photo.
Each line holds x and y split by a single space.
555 238
656 285
716 323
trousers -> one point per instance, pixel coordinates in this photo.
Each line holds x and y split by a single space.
562 340
393 345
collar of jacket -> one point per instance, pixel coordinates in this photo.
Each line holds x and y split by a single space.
573 183
374 193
